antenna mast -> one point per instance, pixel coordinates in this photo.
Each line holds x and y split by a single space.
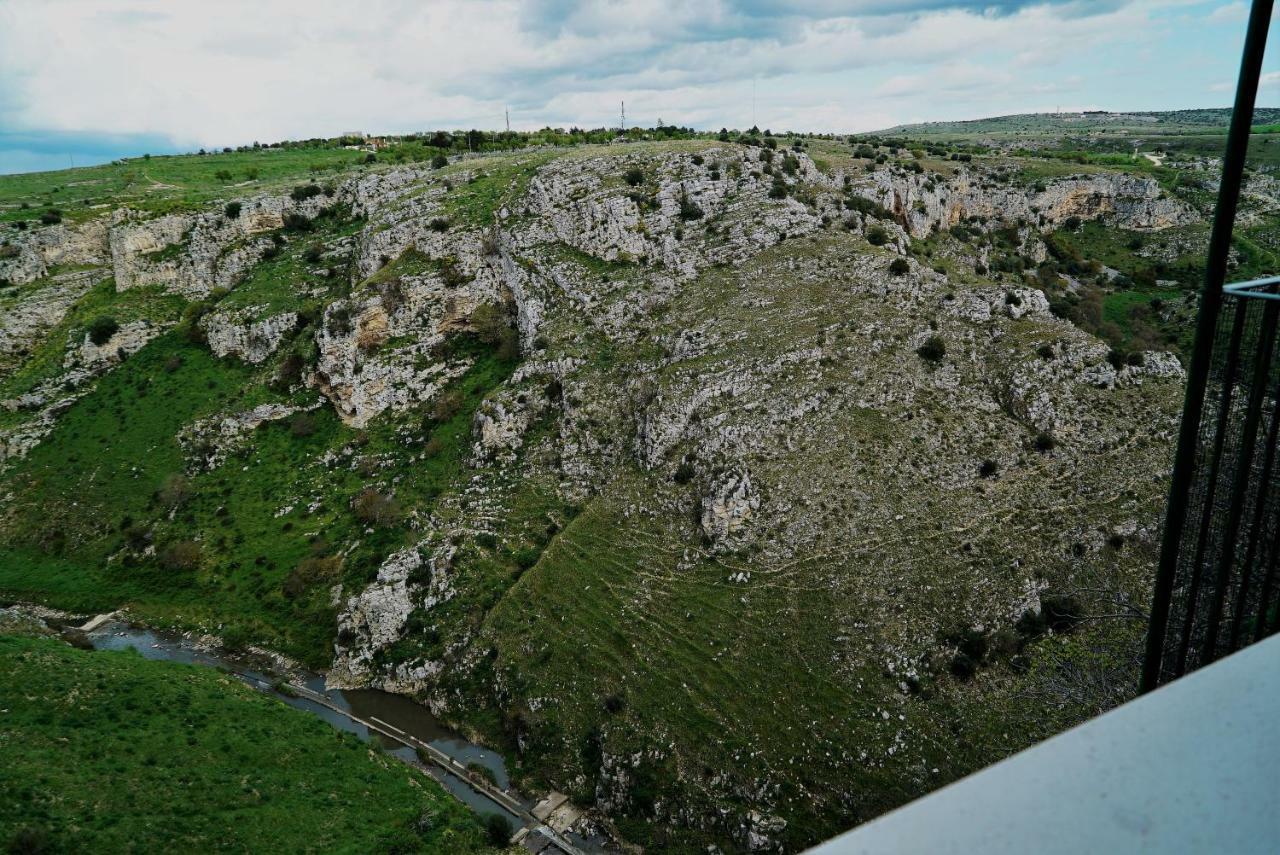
507 113
624 117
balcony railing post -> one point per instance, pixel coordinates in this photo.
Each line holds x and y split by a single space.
1210 306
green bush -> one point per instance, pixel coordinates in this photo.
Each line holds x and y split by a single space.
101 329
498 829
689 209
231 210
877 236
633 176
439 161
305 191
303 424
933 349
180 555
1061 612
374 508
899 266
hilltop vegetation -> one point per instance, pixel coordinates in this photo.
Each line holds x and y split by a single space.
740 486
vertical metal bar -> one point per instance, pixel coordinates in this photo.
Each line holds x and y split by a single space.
1240 485
1255 43
1211 486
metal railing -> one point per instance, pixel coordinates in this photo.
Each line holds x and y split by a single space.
1216 582
1226 571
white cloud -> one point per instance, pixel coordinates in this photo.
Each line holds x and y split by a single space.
239 70
1231 13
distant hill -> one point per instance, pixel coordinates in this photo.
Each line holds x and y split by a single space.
1057 124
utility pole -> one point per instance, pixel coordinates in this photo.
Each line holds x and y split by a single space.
508 115
624 117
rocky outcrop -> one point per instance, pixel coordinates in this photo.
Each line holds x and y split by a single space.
26 320
36 253
728 506
82 363
361 375
235 334
191 254
925 202
208 442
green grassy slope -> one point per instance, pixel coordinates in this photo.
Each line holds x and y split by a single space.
109 752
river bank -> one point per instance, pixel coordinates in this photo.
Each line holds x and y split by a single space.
474 775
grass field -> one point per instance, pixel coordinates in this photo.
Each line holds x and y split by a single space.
164 183
106 751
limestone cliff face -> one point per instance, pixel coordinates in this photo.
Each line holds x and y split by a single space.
925 203
191 254
236 334
40 250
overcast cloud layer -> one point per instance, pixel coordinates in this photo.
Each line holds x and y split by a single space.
88 81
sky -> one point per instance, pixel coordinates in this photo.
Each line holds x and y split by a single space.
87 81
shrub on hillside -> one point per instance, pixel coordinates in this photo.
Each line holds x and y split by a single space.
438 224
303 424
305 191
374 508
51 217
933 349
899 266
877 236
175 491
492 324
634 176
439 161
1061 612
101 329
297 222
231 210
180 555
689 209
498 829
447 406
311 571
